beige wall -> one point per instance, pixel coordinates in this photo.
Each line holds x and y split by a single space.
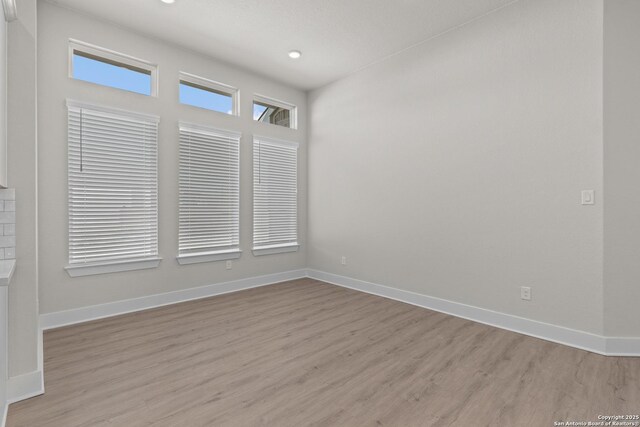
622 167
454 169
22 175
57 290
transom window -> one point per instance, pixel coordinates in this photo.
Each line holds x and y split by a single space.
208 94
267 110
108 68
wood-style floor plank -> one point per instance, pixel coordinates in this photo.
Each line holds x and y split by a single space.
306 353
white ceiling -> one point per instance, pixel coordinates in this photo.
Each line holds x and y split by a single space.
336 37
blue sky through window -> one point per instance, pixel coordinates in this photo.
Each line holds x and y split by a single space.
103 73
258 110
205 99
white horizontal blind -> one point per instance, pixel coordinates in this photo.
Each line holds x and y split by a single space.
209 190
275 193
113 190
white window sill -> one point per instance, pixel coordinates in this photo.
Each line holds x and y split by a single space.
208 256
275 249
112 267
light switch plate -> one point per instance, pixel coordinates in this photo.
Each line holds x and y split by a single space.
588 197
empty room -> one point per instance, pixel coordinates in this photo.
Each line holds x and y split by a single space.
281 213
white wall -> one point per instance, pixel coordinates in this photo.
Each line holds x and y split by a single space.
22 175
57 290
3 349
3 101
454 169
622 173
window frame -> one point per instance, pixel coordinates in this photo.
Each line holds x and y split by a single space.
293 110
116 58
211 86
112 266
278 247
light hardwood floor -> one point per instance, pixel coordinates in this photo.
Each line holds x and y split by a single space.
306 353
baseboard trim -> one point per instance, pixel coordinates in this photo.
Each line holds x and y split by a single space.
25 386
3 416
95 312
607 346
623 346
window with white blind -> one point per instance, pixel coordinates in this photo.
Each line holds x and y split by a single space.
275 196
113 190
209 217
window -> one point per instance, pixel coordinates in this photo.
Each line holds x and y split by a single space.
104 67
209 214
203 93
275 196
278 113
113 190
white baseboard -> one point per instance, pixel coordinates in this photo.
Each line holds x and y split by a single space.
94 312
623 346
608 346
25 386
3 416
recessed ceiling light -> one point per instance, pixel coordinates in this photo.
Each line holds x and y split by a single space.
168 1
295 54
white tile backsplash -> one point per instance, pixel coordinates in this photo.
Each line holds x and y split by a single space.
6 241
7 217
9 230
8 194
7 223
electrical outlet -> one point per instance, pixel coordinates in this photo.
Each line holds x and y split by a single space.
229 265
525 293
588 197
343 261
